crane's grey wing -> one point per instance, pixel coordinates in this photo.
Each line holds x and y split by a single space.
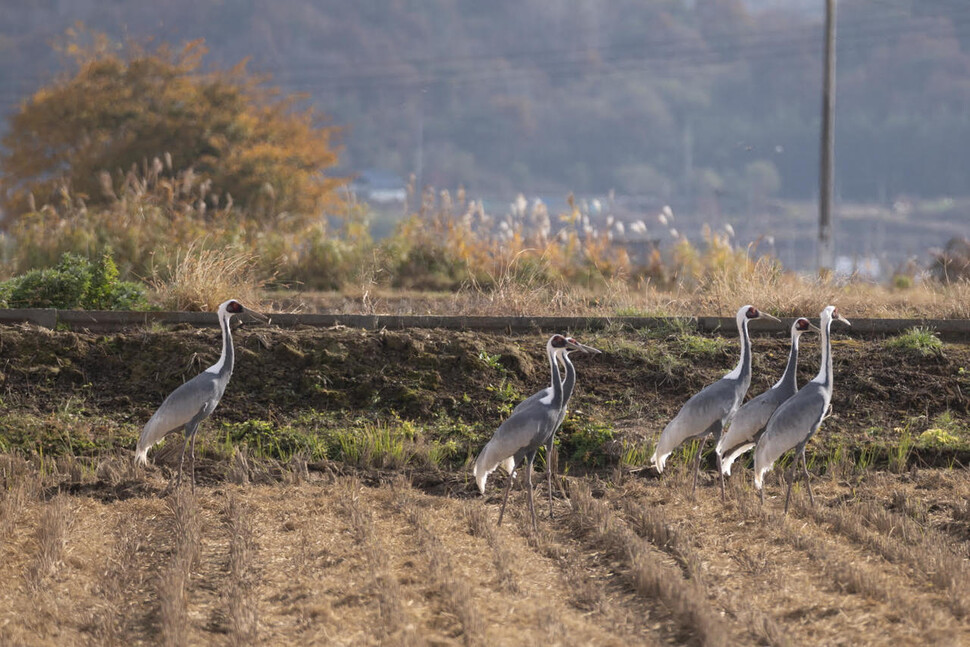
747 424
545 394
712 404
200 395
792 424
522 432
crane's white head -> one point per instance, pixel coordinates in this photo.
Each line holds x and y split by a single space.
556 343
747 313
802 325
233 307
831 313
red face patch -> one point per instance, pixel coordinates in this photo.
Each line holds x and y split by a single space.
558 341
752 313
802 324
235 307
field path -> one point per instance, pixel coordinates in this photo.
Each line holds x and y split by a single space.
814 584
881 560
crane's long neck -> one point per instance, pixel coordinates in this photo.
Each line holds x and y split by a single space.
223 368
570 382
789 377
557 388
742 371
824 376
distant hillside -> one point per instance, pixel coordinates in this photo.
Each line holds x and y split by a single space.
684 101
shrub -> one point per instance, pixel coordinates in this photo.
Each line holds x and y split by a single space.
123 106
587 444
918 340
74 283
201 279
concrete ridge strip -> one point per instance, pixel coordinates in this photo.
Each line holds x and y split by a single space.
105 321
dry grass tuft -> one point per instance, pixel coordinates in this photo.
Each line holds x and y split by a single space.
397 626
243 578
239 470
122 575
686 599
12 503
899 539
201 279
50 540
298 470
174 580
649 523
502 556
455 592
859 578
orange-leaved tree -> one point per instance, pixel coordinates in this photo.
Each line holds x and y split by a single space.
124 106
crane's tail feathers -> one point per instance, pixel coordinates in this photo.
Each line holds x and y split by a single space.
733 456
759 475
509 466
659 461
150 434
483 468
480 479
488 460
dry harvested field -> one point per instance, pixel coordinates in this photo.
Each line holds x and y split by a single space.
323 558
335 503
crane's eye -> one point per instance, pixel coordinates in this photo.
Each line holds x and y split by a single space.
234 306
558 341
802 324
752 313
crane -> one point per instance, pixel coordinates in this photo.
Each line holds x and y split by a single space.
798 418
750 419
568 384
706 413
531 425
195 400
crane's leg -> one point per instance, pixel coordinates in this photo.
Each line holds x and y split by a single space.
558 480
549 470
720 475
697 465
192 461
178 481
808 479
761 493
528 485
505 499
791 479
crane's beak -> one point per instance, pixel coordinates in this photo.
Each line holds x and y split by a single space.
575 345
257 315
814 328
839 317
768 316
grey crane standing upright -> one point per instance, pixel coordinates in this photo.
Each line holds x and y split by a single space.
195 400
749 421
532 425
707 412
799 417
568 384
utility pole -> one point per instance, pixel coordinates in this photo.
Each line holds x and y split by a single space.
826 243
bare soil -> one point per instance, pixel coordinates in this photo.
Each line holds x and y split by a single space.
115 381
882 558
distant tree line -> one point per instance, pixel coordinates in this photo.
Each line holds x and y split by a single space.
666 98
